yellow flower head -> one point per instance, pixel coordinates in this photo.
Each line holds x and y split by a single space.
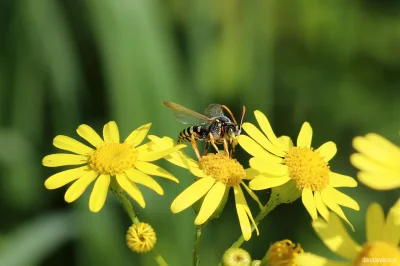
141 238
109 160
283 253
378 160
236 257
216 174
381 248
277 161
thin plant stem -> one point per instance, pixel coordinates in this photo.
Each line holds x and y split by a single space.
196 247
126 203
272 203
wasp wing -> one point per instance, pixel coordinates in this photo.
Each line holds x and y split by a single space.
214 110
187 116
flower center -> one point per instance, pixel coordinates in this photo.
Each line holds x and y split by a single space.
224 169
307 168
113 158
283 253
141 237
378 252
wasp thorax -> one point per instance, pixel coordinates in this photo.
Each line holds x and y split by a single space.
224 169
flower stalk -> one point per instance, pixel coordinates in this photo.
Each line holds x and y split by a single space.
196 247
125 202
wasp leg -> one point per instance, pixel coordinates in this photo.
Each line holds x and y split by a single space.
194 146
226 149
206 148
234 143
213 142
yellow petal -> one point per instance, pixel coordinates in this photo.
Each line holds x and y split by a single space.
242 200
266 128
192 194
338 180
62 178
131 189
210 203
341 198
374 222
242 215
264 166
89 135
331 203
378 148
99 193
254 149
62 159
144 179
307 259
391 229
253 195
260 138
307 198
286 143
155 155
111 133
70 144
321 207
365 163
327 150
79 186
251 173
379 182
263 182
305 136
152 169
336 238
138 135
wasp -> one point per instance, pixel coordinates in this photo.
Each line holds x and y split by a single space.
213 127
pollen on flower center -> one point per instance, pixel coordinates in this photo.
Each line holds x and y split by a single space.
225 170
307 168
378 249
283 253
113 158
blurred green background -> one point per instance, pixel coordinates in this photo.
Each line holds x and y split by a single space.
63 63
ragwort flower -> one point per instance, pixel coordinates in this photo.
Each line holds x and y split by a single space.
383 237
126 162
378 160
278 161
216 174
283 253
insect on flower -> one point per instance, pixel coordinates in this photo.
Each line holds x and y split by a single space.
213 127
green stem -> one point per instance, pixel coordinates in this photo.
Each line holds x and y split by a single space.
126 203
196 246
272 203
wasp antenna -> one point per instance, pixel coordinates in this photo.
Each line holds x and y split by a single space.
243 112
230 113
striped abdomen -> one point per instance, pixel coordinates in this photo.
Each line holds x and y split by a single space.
199 133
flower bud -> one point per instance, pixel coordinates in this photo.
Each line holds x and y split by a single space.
236 257
141 237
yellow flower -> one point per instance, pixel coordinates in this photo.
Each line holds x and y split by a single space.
383 237
378 161
277 161
141 237
283 253
216 174
110 160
